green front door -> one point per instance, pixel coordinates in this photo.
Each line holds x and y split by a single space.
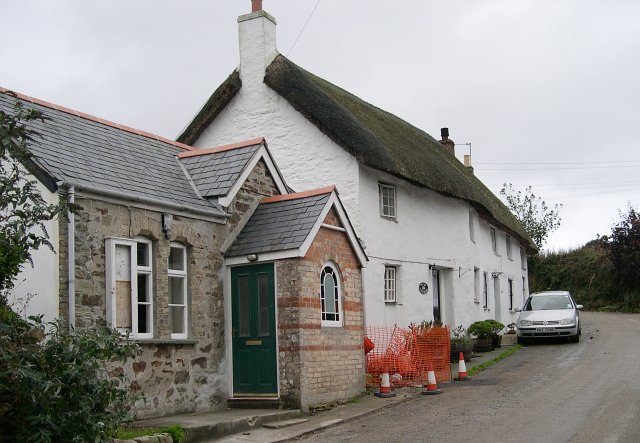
254 331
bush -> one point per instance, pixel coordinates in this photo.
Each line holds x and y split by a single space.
485 328
54 385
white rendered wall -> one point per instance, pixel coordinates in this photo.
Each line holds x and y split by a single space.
39 285
431 229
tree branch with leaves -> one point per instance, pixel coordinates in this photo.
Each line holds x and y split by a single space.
535 215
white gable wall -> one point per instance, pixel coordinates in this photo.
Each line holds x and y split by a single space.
36 288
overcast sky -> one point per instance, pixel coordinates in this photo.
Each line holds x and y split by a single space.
546 91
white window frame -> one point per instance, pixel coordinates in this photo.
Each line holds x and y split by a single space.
523 258
338 294
181 274
508 246
390 284
510 285
388 211
135 270
476 284
485 291
472 229
494 240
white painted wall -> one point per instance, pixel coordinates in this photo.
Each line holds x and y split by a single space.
431 229
39 285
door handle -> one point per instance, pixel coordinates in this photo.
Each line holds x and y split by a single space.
234 332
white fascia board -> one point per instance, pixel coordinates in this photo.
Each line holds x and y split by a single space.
334 202
262 153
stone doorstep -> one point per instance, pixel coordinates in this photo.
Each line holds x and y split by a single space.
223 428
284 423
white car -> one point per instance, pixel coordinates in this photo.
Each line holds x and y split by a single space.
549 314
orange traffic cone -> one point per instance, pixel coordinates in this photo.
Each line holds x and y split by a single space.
432 386
385 386
462 369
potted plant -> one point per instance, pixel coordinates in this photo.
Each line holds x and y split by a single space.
496 327
460 342
511 328
483 332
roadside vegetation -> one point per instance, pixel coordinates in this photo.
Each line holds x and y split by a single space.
602 275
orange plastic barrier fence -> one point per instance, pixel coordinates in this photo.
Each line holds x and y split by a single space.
406 353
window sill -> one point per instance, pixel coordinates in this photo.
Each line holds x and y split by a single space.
476 301
392 303
164 341
386 217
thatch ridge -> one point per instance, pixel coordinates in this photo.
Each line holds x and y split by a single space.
213 106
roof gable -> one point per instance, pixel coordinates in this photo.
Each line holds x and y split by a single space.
220 172
285 225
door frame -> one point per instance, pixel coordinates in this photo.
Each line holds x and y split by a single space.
228 319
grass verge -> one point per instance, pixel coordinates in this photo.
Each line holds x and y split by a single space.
481 367
176 431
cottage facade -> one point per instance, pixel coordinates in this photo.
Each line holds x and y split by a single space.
441 245
187 252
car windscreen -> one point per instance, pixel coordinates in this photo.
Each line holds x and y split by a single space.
548 302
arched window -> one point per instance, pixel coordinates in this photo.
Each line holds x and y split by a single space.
330 296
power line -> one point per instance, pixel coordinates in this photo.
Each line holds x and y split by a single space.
303 28
557 163
557 169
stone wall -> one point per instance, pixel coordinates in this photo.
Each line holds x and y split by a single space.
172 376
320 364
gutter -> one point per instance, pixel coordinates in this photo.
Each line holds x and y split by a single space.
136 198
71 257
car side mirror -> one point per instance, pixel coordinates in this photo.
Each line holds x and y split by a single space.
579 307
518 310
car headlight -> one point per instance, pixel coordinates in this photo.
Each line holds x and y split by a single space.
525 323
566 321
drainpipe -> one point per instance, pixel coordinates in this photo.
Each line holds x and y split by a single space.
71 256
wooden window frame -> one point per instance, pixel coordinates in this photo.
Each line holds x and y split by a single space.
390 210
336 298
182 274
390 284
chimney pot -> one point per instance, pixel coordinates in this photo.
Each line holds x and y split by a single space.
446 142
256 5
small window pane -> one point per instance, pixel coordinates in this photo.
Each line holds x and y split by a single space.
144 312
176 259
176 290
177 319
263 302
243 308
143 288
143 254
329 290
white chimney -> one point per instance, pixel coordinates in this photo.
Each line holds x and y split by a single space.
257 38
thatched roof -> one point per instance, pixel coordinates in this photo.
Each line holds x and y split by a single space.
376 138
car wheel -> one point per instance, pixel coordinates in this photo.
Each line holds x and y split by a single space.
575 338
522 341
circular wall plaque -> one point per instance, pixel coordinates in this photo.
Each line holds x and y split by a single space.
423 288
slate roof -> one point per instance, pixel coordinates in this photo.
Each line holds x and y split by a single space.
214 173
376 138
279 224
102 156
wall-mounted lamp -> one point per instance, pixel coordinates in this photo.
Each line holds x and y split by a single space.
495 274
167 223
252 257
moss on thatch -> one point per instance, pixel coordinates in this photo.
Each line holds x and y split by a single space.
376 138
216 103
385 142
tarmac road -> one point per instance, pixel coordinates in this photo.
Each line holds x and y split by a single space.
550 392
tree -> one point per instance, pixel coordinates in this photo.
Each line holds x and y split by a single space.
534 214
623 247
23 210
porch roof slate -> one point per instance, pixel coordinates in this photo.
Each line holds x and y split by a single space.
279 225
